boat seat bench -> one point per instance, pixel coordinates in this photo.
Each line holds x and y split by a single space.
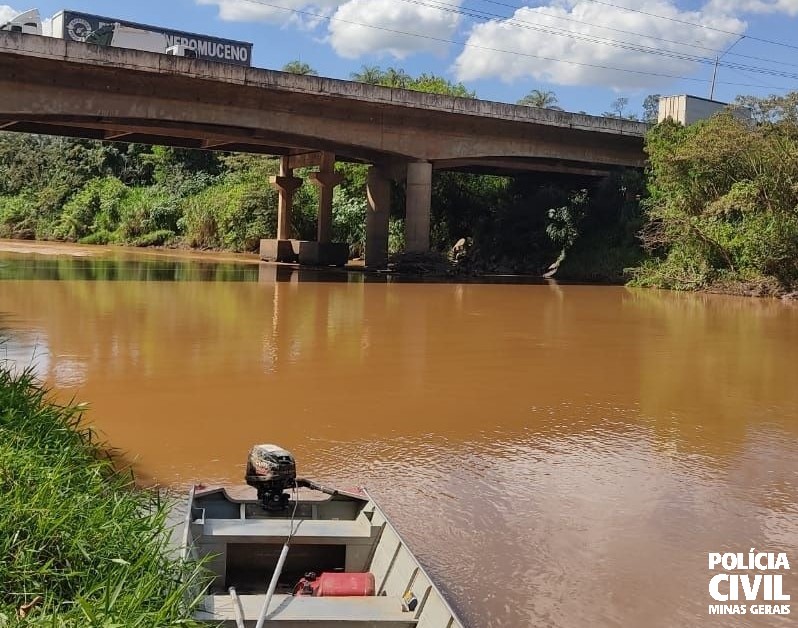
276 530
289 610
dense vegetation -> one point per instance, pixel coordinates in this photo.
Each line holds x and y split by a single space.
393 77
719 201
723 206
88 192
80 545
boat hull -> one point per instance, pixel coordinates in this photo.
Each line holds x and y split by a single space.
331 531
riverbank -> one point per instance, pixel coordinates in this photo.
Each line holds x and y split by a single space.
71 249
81 545
432 267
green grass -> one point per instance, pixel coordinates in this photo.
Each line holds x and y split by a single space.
74 530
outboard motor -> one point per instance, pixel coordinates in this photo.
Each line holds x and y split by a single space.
271 470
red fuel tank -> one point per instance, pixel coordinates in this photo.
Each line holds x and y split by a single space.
336 584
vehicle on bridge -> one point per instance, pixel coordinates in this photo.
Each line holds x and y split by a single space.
29 23
121 36
104 31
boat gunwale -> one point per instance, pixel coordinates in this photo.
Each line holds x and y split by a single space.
458 623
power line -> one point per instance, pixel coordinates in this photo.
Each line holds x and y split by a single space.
761 86
488 48
566 33
560 32
537 11
673 54
688 23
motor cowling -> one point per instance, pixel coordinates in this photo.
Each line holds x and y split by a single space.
271 470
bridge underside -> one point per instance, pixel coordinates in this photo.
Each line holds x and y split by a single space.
237 139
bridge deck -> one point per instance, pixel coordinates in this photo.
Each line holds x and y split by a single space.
62 87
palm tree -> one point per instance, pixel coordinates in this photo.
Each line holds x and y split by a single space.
539 98
396 78
297 67
371 74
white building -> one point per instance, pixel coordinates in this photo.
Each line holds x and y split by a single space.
689 109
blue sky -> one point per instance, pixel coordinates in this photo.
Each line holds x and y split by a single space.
504 48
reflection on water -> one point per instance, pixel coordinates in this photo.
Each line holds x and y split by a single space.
90 269
557 455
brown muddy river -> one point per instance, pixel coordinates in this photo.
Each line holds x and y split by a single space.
557 456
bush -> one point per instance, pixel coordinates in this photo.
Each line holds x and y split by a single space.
98 237
94 207
396 236
154 238
146 210
349 222
16 219
230 215
723 206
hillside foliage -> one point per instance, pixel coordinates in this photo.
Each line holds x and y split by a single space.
723 205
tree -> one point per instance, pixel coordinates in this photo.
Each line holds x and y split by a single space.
772 109
723 205
371 74
618 109
651 108
298 67
539 98
432 84
396 78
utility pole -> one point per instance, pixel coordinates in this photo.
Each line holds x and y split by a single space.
715 70
714 74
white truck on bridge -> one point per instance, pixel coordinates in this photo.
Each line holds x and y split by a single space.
28 22
95 29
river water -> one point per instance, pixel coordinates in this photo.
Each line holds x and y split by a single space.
556 455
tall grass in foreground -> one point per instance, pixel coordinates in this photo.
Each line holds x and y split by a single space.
75 532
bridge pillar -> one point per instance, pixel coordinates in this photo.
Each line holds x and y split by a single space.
378 190
419 198
286 184
325 180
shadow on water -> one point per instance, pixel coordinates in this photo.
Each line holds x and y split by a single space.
32 268
274 273
93 269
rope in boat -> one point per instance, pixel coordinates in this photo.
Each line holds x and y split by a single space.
280 562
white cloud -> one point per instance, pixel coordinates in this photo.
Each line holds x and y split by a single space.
790 7
253 11
349 39
6 13
480 62
345 33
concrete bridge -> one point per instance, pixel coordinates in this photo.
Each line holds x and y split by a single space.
71 89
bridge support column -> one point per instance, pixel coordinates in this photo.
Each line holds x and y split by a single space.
419 198
378 189
325 180
286 184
